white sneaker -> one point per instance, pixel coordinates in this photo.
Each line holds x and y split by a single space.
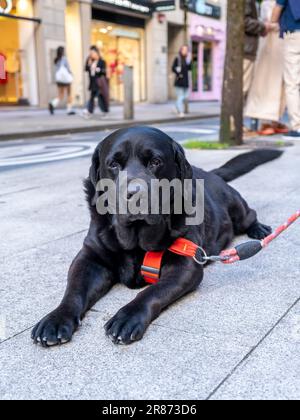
181 115
86 114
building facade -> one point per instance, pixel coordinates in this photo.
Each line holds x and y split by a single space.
143 34
207 30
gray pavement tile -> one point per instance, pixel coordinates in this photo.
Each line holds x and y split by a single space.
33 283
275 183
165 365
239 302
272 370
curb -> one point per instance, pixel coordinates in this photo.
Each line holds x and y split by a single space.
102 127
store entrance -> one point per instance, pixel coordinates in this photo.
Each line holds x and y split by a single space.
121 46
17 49
203 70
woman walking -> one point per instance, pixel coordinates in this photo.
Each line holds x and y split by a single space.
266 100
99 88
181 67
64 80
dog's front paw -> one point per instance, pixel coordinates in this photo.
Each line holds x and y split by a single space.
56 328
127 326
259 231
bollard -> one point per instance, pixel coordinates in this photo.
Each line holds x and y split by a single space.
128 93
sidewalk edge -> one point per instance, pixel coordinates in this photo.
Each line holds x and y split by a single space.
102 127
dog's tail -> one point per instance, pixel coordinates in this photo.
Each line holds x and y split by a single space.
245 163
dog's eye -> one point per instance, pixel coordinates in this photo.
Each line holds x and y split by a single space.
113 165
155 162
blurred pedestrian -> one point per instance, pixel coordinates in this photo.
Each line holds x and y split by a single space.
181 67
287 12
98 86
64 79
266 99
254 29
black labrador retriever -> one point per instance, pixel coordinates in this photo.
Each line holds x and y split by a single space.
115 246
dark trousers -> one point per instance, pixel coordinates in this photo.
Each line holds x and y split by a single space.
101 103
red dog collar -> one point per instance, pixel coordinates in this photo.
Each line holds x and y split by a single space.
153 260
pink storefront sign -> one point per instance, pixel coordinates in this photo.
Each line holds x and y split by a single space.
208 39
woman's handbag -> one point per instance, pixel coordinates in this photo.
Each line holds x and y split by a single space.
63 76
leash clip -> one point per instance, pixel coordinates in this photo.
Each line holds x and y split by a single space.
218 258
201 256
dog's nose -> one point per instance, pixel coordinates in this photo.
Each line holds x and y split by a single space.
134 187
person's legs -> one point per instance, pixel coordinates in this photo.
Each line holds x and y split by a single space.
91 103
180 100
56 101
248 74
186 99
292 77
70 100
61 93
102 104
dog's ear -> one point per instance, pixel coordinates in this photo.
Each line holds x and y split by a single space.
185 169
95 167
94 177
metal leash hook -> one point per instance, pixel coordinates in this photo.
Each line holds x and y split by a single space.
202 258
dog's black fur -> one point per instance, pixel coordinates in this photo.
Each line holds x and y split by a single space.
115 246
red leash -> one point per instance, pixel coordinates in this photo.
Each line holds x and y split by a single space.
251 248
153 260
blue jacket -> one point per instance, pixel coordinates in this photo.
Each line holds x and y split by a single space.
295 6
290 18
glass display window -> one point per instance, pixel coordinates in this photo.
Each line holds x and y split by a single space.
17 49
121 46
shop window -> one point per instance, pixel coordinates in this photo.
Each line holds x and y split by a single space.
2 68
17 46
121 46
207 67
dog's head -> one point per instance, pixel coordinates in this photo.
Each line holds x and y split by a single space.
143 155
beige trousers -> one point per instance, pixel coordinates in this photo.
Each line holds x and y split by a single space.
292 77
249 67
266 98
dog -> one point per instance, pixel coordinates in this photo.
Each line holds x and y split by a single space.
115 245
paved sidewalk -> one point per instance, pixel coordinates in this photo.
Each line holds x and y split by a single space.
17 124
237 337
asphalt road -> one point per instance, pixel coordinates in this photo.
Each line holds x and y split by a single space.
17 154
237 337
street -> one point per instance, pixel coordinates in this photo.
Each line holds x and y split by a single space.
52 149
237 337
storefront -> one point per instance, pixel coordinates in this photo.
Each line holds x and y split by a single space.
208 42
17 50
118 30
